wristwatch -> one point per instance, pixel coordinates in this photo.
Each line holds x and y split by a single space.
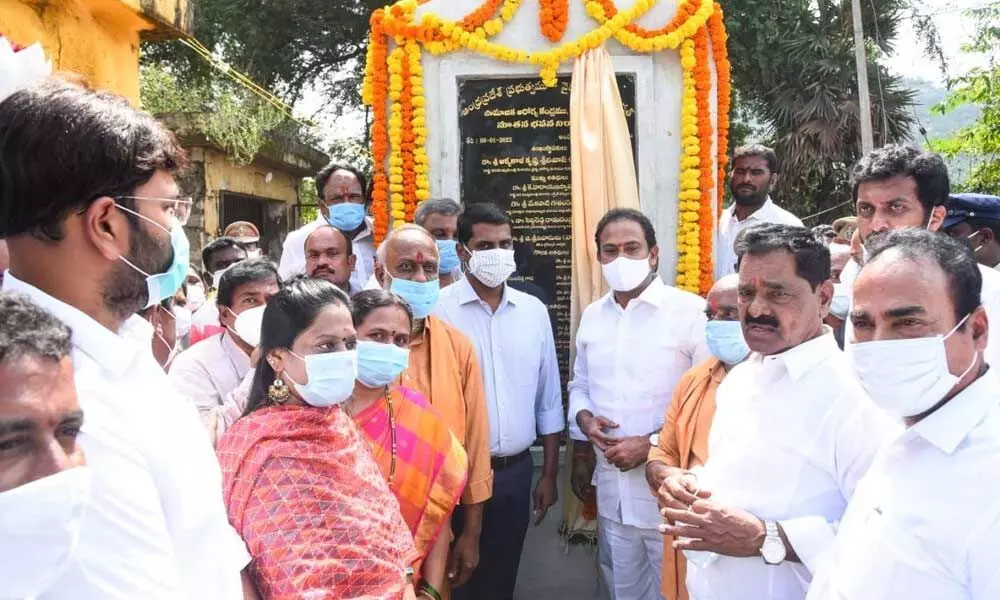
654 440
773 549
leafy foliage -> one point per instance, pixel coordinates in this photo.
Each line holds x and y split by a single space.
979 87
794 72
229 116
287 47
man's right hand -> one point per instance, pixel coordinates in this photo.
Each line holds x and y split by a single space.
679 491
594 427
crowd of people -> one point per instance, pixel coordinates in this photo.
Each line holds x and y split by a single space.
357 421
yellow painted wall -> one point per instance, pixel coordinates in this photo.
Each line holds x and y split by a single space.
221 174
97 38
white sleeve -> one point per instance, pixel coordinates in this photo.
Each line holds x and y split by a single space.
579 388
548 398
292 256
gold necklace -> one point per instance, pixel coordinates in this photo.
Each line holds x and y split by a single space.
392 434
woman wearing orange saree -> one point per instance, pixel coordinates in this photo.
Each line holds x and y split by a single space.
424 464
299 482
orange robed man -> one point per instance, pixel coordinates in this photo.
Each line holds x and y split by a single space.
683 441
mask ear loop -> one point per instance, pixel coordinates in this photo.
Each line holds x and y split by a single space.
144 218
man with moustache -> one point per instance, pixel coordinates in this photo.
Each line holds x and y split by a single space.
793 433
755 171
897 187
330 256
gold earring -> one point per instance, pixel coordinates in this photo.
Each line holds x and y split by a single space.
278 392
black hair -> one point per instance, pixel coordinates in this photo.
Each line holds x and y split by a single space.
62 147
324 176
252 270
954 257
218 245
760 151
289 312
367 301
925 168
30 330
350 245
812 257
476 213
626 214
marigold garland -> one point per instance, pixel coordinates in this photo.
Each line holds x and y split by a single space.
706 181
697 29
553 18
688 227
723 94
374 93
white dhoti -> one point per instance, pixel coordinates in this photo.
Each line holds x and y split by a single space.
631 560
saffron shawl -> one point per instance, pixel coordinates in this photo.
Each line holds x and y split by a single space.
303 491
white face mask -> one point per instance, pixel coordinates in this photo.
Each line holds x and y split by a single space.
195 296
39 530
841 302
906 377
492 267
625 274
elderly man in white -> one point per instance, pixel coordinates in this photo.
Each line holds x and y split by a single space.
793 433
924 523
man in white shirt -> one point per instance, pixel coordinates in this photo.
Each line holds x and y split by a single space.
793 433
755 170
209 372
329 256
512 334
632 347
216 257
94 237
342 204
903 186
924 522
43 481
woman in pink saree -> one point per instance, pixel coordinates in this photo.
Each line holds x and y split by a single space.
299 482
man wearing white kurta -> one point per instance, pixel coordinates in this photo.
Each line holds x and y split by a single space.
924 523
903 186
793 433
95 236
632 346
210 372
343 202
755 171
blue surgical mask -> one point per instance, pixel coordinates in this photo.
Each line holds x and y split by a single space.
725 341
380 364
331 378
161 286
346 216
447 256
422 297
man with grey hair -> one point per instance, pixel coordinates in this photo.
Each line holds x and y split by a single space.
443 367
439 216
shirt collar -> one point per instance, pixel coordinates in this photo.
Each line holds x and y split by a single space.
467 294
946 427
107 348
654 295
802 358
762 213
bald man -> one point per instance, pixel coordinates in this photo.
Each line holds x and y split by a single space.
683 441
329 256
443 367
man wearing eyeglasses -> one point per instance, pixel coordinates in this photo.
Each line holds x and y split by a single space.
343 204
94 223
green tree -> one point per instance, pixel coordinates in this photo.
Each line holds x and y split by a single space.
980 87
795 77
287 47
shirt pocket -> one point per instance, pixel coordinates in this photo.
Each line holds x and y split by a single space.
653 369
